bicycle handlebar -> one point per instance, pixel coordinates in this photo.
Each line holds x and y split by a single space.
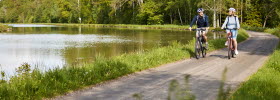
199 29
230 28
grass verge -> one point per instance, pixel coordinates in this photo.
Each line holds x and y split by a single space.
3 28
252 28
130 26
35 84
127 26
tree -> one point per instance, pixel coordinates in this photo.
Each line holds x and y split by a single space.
213 6
265 13
150 13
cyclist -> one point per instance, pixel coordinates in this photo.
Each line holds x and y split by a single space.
232 22
202 22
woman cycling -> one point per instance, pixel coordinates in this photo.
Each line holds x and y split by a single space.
232 22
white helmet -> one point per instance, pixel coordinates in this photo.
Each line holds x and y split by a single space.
232 9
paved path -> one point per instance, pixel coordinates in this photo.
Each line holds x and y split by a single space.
206 74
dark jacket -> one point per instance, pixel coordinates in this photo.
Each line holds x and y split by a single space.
201 21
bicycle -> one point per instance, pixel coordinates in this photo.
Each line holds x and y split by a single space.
200 45
231 47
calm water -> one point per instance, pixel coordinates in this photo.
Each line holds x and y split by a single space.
51 46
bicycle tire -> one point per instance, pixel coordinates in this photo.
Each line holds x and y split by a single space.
229 48
197 53
232 50
203 52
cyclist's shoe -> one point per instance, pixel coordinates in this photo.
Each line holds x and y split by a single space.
236 52
226 44
206 45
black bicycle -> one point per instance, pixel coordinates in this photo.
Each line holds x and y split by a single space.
200 45
231 47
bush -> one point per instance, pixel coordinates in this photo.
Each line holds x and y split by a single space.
3 28
252 28
157 19
274 31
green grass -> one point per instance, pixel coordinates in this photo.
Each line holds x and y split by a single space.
274 31
35 84
265 84
131 26
252 28
242 35
3 28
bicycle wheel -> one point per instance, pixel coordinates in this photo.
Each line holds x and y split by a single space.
203 51
232 50
229 48
232 53
197 50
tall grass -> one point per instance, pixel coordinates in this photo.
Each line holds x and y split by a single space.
274 31
35 84
265 84
252 28
131 26
3 28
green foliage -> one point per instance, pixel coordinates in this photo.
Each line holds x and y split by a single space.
252 28
254 19
242 35
274 31
149 13
254 12
3 27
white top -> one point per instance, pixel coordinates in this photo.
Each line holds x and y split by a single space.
231 22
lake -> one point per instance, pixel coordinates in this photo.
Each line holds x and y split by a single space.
49 46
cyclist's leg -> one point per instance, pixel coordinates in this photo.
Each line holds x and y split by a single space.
205 38
204 35
228 33
196 37
197 34
234 33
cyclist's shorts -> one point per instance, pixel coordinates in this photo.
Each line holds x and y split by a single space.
198 32
234 33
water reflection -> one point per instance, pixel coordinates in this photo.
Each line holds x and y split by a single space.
49 47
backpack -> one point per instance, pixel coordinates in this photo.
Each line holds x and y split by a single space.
235 21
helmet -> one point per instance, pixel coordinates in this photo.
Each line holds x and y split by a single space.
200 10
232 9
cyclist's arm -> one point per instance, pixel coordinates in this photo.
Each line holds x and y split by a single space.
207 21
193 20
225 22
238 25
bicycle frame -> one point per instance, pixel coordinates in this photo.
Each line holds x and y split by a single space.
231 46
199 47
230 39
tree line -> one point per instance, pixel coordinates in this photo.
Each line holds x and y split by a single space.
260 13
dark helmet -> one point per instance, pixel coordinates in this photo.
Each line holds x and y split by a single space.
200 10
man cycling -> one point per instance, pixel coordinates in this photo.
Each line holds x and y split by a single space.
202 22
